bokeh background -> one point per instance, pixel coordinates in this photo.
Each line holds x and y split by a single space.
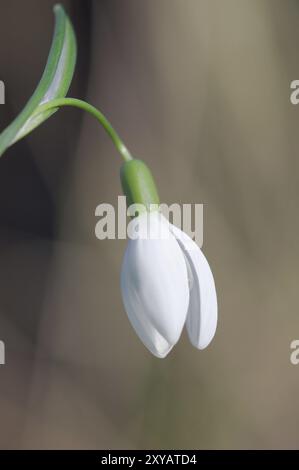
200 90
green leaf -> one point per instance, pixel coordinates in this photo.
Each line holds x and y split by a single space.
54 83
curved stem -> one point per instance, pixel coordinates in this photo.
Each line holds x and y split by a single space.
57 103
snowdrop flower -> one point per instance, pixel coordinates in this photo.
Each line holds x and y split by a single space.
166 281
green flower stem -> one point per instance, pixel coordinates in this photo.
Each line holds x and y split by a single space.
59 102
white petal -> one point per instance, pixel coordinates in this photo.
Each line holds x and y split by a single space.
202 313
154 284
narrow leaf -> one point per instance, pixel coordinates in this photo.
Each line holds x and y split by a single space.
54 83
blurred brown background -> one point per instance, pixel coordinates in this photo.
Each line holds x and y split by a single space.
200 90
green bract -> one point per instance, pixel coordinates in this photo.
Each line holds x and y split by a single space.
54 83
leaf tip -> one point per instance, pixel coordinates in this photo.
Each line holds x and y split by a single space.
58 8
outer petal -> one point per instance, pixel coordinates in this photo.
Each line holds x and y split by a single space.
202 313
154 284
